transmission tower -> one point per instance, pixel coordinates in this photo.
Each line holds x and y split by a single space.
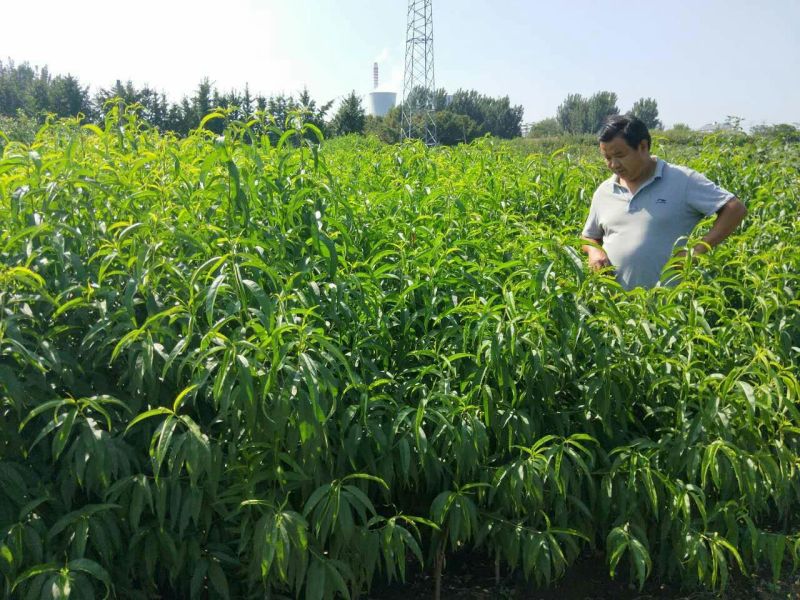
418 83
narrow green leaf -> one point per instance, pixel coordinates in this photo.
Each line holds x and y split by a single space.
147 414
187 390
218 579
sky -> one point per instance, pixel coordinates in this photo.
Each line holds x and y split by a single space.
702 60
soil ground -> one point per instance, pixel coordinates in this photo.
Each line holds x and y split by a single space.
471 577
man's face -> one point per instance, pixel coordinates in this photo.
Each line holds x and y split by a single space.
628 163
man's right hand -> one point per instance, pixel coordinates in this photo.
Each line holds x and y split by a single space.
598 259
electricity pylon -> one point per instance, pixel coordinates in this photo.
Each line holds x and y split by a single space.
418 82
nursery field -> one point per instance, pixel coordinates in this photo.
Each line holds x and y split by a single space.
250 366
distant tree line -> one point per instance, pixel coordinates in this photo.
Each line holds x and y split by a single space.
34 92
30 93
781 131
579 115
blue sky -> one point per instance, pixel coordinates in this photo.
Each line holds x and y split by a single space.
702 60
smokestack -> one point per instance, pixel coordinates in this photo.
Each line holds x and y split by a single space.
375 75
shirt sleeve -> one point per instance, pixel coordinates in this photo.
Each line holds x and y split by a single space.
704 196
592 229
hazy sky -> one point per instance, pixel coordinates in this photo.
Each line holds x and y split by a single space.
700 59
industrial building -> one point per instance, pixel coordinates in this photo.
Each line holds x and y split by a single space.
379 102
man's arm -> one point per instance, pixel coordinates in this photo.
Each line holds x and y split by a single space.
598 258
593 233
728 219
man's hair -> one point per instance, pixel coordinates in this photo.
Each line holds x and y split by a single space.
632 130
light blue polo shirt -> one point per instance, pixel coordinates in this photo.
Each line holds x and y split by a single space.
640 231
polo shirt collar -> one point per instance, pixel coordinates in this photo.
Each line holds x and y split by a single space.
657 174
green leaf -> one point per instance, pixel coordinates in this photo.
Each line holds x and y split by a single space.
81 537
92 568
31 506
42 408
147 414
187 390
25 275
315 581
74 516
162 437
218 579
94 129
198 578
210 117
617 543
367 477
34 571
7 557
641 561
315 497
211 296
360 497
335 577
775 550
62 436
68 306
748 393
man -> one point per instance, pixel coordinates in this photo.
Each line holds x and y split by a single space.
638 214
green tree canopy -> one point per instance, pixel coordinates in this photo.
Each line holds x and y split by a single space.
453 128
577 114
35 92
386 128
781 131
600 106
16 87
202 103
573 114
646 109
127 92
312 113
419 98
481 114
68 97
545 128
350 117
495 116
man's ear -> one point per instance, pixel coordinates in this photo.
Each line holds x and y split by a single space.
644 146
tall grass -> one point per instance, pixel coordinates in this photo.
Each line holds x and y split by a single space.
233 369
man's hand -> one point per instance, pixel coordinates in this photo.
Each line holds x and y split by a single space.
678 260
728 218
598 259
